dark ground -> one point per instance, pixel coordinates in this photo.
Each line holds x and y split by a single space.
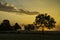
30 35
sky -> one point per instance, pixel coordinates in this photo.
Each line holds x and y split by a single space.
51 7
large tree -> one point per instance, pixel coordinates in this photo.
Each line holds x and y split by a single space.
44 20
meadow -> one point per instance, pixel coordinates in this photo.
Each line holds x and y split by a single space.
52 35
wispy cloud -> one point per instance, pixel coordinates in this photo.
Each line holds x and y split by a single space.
11 8
7 7
28 12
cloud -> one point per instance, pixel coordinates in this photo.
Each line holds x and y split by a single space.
11 8
28 12
7 7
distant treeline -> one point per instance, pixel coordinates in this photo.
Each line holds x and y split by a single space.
5 26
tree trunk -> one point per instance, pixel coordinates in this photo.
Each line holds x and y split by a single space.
42 30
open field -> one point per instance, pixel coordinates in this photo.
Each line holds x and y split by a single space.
30 36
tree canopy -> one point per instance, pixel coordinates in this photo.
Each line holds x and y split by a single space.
46 20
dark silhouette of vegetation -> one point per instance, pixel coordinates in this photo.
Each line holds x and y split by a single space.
29 27
5 25
16 27
44 20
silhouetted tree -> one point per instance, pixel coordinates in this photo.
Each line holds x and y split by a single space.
44 20
5 25
29 27
16 27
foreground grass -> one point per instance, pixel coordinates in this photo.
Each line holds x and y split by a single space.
30 36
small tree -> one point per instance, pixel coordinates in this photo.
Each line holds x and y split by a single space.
44 20
29 27
16 27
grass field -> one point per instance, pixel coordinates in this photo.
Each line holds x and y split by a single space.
30 36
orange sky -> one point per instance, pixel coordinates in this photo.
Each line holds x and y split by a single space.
50 7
